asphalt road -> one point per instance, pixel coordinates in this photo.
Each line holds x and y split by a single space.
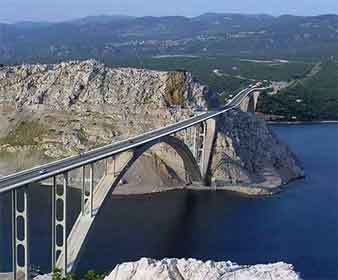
42 172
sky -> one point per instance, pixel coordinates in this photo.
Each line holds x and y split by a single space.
61 10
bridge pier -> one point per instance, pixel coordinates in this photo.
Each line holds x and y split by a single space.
92 200
111 166
201 148
20 242
200 140
249 104
253 102
209 138
59 225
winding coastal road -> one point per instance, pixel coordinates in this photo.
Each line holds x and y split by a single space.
42 172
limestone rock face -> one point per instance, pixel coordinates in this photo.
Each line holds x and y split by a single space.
191 269
248 153
90 85
48 112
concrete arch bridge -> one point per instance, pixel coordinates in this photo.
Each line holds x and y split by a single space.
194 146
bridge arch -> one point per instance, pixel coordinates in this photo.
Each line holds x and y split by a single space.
190 164
77 238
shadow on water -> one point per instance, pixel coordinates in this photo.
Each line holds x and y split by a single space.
298 226
40 228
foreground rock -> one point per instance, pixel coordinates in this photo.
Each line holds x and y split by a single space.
48 112
191 269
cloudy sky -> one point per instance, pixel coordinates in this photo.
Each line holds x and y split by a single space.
59 10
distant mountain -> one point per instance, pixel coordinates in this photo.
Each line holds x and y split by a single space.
29 25
106 36
100 19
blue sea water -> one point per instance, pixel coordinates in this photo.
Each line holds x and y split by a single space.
298 226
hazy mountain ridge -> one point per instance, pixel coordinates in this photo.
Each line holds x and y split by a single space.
109 36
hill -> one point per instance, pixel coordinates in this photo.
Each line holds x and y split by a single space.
104 37
224 51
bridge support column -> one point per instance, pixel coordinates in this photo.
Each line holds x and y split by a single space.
118 162
83 191
20 235
111 166
59 224
201 145
209 134
54 224
249 104
253 99
195 139
91 189
87 196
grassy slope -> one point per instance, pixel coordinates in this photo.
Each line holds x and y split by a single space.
239 73
24 133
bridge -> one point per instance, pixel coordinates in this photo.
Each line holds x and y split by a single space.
192 139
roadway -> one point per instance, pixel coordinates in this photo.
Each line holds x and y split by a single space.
42 172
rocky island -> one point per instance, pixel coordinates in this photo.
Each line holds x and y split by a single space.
48 112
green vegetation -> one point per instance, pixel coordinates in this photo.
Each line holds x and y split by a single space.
313 98
24 133
90 275
310 99
83 137
285 36
226 57
234 73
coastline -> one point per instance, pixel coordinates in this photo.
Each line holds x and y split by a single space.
300 122
253 192
248 191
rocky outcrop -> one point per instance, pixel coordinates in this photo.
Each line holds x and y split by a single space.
191 269
249 154
54 111
90 85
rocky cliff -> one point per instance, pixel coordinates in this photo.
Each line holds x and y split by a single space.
248 155
52 111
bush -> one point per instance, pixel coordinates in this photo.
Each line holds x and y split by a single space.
90 275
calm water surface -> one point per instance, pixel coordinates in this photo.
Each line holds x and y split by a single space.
299 226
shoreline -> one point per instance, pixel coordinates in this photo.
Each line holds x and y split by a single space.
300 122
247 191
252 192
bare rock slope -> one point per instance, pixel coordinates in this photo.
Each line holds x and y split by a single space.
191 269
51 111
